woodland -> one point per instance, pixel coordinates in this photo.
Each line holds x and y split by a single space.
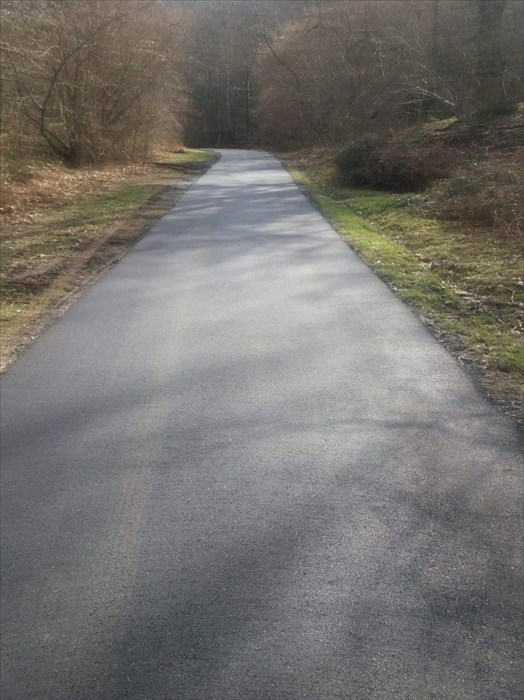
91 81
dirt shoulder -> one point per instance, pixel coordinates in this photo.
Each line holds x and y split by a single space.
61 230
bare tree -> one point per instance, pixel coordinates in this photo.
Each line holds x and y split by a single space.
86 74
491 62
346 68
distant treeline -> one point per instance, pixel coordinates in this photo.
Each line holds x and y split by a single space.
95 80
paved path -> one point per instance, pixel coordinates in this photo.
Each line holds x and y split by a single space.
240 469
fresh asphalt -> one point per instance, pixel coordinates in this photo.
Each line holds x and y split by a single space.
240 469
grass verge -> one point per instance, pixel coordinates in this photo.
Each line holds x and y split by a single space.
50 256
467 286
184 157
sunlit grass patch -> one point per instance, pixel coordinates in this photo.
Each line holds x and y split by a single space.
185 156
99 209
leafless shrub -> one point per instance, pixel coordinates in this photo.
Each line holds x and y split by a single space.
486 194
88 81
394 167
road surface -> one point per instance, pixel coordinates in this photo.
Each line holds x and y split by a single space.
240 469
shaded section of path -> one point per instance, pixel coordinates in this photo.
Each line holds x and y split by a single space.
239 467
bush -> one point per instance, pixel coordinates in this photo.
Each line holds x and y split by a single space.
486 194
393 167
357 155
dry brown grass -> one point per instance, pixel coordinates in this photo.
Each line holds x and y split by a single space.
24 199
486 193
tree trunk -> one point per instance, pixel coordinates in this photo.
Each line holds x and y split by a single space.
490 59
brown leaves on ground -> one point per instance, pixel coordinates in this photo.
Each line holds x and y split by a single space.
49 186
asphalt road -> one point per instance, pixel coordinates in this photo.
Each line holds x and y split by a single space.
240 469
